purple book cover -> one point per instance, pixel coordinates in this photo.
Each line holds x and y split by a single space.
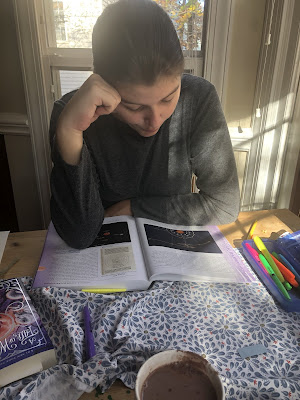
22 334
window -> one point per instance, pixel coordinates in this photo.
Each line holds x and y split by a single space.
70 80
187 17
75 17
68 37
59 18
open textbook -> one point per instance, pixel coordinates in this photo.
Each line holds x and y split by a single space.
130 253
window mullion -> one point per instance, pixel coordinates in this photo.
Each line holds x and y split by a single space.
70 58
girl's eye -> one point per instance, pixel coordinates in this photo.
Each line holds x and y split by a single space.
167 100
133 109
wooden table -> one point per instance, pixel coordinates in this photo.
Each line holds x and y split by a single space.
27 248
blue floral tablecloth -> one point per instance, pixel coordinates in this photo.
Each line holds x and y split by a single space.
213 320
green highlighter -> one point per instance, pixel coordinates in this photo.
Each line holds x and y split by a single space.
262 248
274 277
286 284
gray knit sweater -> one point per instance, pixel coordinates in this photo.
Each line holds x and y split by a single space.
155 172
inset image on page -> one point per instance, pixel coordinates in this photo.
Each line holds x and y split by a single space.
116 260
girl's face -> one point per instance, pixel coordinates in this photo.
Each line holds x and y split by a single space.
146 108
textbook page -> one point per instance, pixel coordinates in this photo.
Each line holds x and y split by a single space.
114 260
192 253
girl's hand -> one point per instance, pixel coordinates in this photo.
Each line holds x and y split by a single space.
94 98
121 208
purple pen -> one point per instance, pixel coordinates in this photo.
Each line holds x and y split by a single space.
89 338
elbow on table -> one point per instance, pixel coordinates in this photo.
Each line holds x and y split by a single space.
77 231
76 238
230 214
79 235
78 242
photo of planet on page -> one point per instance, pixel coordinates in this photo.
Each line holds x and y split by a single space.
191 253
117 232
199 241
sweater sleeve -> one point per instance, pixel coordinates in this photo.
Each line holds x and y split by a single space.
76 208
212 161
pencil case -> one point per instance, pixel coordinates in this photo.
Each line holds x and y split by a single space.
288 245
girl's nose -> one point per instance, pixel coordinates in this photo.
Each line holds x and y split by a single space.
153 118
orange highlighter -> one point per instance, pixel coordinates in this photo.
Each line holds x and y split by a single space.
287 274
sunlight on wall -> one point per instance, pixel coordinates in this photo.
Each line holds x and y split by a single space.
243 62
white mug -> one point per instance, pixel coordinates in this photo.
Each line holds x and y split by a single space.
173 356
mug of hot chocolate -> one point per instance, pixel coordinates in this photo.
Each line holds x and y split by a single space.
177 375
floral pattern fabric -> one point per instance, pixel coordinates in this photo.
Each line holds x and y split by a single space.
211 319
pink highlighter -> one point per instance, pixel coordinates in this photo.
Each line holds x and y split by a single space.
254 254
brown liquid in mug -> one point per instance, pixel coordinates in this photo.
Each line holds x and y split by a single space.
178 381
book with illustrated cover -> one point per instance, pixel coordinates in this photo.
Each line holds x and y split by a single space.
130 253
25 347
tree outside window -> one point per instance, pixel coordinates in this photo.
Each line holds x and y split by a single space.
187 17
77 18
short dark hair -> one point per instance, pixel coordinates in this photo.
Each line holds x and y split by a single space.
134 41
